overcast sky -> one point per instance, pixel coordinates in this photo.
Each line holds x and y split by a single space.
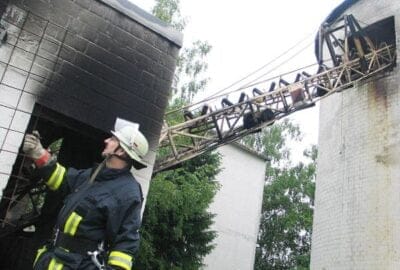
245 35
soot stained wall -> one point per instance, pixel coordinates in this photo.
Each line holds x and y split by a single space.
87 60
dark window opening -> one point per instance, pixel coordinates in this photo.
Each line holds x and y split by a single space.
27 211
380 33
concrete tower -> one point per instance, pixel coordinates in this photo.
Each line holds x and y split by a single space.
357 207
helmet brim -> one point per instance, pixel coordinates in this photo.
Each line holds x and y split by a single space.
139 164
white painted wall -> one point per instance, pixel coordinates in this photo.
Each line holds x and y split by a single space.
237 206
15 110
357 206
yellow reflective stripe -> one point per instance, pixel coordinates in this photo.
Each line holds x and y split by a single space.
56 177
39 252
55 265
120 259
72 223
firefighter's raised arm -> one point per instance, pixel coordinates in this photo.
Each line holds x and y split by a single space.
52 172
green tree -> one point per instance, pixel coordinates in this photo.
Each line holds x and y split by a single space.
284 238
190 71
176 224
169 12
189 76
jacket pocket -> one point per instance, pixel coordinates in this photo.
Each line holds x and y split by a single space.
86 205
78 214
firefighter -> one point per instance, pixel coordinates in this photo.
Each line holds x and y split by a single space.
97 227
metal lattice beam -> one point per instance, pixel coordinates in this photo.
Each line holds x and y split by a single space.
201 132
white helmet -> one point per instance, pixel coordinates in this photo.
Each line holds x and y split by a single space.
132 141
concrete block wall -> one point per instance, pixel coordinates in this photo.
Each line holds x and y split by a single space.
237 206
357 206
89 60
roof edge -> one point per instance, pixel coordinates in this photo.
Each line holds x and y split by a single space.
146 19
249 150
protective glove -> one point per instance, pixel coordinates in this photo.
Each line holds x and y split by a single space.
34 149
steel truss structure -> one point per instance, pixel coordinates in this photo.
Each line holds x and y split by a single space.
354 56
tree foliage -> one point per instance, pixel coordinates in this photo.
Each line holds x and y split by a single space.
169 12
191 69
284 239
189 76
273 141
176 224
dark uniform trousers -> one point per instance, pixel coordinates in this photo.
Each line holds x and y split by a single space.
106 211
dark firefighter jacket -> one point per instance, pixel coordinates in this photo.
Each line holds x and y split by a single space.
107 210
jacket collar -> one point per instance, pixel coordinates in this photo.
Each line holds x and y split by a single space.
107 174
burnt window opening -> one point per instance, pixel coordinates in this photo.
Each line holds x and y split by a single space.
348 40
381 33
357 44
27 211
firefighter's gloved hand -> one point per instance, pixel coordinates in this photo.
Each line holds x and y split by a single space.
32 146
34 149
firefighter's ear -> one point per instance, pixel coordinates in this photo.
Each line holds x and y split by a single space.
120 152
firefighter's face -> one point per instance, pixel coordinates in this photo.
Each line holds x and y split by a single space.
111 145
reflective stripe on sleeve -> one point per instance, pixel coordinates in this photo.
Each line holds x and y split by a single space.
55 265
72 223
39 252
56 177
120 259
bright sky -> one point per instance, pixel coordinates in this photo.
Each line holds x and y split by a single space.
246 35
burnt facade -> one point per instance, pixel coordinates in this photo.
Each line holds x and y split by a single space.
68 68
